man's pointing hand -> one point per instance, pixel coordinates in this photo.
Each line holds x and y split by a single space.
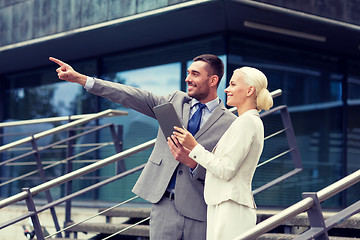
67 73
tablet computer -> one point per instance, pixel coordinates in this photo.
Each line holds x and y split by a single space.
167 118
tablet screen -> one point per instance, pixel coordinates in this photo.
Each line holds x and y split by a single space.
167 118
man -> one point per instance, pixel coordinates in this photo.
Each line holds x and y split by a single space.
176 190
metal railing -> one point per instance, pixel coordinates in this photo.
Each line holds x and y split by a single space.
28 193
311 205
62 144
35 150
80 120
60 119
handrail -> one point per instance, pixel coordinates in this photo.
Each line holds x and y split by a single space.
77 173
54 144
46 120
72 195
300 207
55 163
109 112
81 145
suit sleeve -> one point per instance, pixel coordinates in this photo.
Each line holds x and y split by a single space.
233 149
130 97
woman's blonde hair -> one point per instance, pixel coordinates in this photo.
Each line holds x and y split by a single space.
256 78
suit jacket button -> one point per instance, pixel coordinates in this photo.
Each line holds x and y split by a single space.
180 172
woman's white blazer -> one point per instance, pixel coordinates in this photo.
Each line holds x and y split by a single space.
232 163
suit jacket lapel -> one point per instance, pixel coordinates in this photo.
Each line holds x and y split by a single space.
215 115
186 113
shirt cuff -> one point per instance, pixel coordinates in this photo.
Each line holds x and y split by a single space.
89 83
193 154
193 171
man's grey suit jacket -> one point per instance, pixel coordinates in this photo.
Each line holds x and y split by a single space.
155 177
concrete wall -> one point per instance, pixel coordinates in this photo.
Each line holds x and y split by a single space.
22 20
343 10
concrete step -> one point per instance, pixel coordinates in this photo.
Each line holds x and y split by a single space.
130 212
295 225
267 236
302 220
278 236
109 228
62 239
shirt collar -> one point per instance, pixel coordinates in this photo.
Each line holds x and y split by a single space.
209 105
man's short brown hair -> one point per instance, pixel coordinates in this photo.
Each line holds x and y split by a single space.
215 63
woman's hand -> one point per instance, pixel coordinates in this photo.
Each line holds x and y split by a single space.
185 138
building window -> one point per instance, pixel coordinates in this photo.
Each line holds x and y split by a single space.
312 89
353 126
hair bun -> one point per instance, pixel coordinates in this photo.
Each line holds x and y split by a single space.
264 100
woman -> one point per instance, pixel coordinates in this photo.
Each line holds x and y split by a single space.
232 163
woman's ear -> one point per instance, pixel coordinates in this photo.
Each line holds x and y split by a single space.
251 90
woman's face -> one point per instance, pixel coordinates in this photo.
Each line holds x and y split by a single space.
238 89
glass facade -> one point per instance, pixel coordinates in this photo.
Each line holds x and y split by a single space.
312 89
352 127
321 91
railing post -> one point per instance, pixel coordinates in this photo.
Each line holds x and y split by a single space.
293 148
117 137
34 218
68 185
3 173
316 217
43 179
290 135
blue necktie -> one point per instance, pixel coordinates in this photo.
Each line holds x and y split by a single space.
194 122
193 127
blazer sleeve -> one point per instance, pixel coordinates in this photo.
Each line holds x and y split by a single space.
229 154
130 97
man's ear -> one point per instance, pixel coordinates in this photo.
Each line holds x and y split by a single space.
214 79
251 90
